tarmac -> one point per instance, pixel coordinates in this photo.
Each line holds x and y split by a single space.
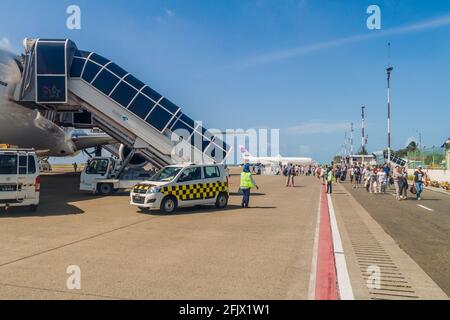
268 251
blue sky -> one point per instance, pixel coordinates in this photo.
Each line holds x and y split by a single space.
305 67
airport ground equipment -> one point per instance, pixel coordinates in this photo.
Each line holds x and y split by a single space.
44 165
382 156
106 175
20 182
57 77
185 185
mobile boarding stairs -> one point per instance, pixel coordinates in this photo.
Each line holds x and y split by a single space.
57 76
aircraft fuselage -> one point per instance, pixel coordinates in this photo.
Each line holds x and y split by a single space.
26 127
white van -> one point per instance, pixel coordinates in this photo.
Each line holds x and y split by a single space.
20 182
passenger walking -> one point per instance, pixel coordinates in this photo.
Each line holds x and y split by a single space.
404 184
374 180
351 173
381 176
387 170
396 175
367 171
330 180
290 172
360 168
337 174
419 179
356 176
246 184
323 175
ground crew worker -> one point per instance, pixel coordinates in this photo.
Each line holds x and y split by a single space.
246 184
330 180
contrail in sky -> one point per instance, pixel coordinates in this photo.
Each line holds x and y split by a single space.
300 51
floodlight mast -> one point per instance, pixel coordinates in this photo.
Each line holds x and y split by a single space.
388 71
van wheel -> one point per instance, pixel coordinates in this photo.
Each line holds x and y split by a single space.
105 189
169 204
34 207
222 201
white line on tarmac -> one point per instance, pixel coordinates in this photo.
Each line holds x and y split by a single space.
343 278
312 276
419 205
426 208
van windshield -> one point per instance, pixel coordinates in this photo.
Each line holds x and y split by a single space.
8 164
166 174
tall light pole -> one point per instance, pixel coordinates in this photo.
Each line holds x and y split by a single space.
351 139
363 136
388 72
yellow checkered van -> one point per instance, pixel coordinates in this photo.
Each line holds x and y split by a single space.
186 185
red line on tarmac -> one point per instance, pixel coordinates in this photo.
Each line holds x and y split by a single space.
326 279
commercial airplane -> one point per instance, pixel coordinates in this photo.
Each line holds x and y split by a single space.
248 158
28 126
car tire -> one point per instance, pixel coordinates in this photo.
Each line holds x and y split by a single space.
105 189
169 204
34 207
222 201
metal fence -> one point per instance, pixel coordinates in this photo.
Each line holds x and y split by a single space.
430 158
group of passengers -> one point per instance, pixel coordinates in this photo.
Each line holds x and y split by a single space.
376 179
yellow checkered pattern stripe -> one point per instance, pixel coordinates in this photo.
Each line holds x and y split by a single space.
141 188
195 191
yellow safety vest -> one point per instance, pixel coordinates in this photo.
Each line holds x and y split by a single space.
246 180
330 176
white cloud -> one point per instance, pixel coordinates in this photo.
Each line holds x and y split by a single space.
5 43
304 149
168 13
319 126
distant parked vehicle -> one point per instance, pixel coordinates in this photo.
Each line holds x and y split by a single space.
106 175
44 166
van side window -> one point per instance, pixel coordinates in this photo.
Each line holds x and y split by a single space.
8 164
31 165
23 164
191 174
211 172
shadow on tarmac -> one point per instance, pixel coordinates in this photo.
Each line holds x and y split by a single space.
57 192
253 194
190 210
199 210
